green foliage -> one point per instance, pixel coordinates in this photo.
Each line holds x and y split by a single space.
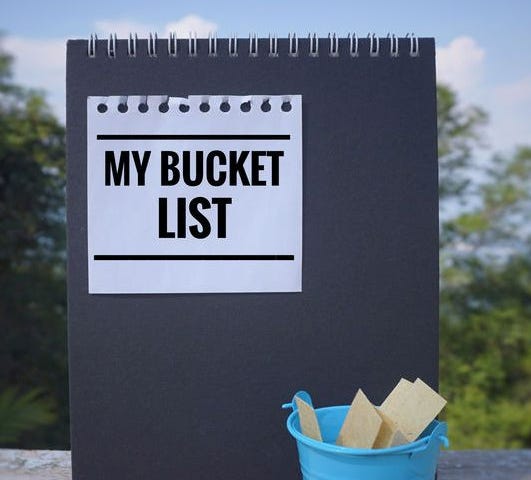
32 258
458 131
503 210
20 413
486 354
485 307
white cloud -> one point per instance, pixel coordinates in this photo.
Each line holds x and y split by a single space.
191 24
184 26
40 63
460 63
122 28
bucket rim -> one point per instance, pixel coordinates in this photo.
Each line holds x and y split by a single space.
338 449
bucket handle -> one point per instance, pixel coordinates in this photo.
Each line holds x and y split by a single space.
443 439
303 395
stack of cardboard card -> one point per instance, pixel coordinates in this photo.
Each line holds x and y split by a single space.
401 418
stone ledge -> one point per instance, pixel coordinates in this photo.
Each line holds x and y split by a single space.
35 465
453 465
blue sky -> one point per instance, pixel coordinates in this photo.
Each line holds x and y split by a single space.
483 46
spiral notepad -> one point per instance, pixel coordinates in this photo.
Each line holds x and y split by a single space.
246 217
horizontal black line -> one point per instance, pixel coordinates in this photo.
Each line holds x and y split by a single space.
194 257
192 137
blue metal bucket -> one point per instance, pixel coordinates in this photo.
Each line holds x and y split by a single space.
327 461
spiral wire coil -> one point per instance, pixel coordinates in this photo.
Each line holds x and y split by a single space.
253 45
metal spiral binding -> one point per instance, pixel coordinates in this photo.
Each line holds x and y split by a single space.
212 45
192 45
233 46
91 50
293 45
413 45
111 46
393 49
273 46
152 45
131 45
253 45
172 44
314 45
334 45
353 40
374 49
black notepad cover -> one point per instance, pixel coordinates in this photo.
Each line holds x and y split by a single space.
190 386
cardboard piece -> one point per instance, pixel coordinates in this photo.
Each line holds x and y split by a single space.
308 420
388 435
410 407
398 439
399 395
361 425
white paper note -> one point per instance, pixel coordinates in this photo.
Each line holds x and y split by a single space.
158 224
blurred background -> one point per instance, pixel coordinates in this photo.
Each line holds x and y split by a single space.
484 115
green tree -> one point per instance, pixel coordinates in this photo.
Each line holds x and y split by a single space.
32 264
486 353
21 413
458 133
485 287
